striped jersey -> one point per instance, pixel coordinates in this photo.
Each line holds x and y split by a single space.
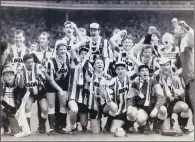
96 100
152 64
16 55
33 79
121 90
69 42
170 53
123 56
77 81
143 91
172 82
44 56
58 70
99 48
9 96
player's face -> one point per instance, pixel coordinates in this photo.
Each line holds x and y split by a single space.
99 65
33 47
178 31
144 73
61 51
166 68
120 71
127 43
94 32
9 77
43 40
29 63
174 23
147 53
154 38
19 39
83 32
116 31
68 30
83 54
167 41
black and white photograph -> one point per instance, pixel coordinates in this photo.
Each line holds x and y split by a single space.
97 70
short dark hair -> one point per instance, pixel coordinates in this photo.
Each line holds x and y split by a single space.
45 33
59 45
27 56
18 31
83 49
98 58
142 66
147 46
127 37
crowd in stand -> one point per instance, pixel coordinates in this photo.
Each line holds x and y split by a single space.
135 23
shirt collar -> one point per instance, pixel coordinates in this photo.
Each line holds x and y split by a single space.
142 81
45 50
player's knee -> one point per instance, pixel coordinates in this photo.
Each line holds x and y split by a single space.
73 106
184 110
163 110
51 104
141 119
162 113
132 114
27 109
112 107
44 110
184 107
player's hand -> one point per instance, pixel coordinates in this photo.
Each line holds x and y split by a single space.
107 76
154 113
123 32
151 29
101 92
178 72
87 39
171 98
73 25
183 24
61 93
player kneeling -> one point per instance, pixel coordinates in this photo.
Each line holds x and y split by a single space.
33 77
147 101
77 97
99 97
174 93
121 88
11 98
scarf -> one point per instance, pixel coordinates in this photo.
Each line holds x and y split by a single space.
142 86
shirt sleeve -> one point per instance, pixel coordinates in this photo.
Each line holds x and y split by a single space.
105 49
50 68
41 70
190 38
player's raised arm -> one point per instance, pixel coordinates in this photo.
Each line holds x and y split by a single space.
115 37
